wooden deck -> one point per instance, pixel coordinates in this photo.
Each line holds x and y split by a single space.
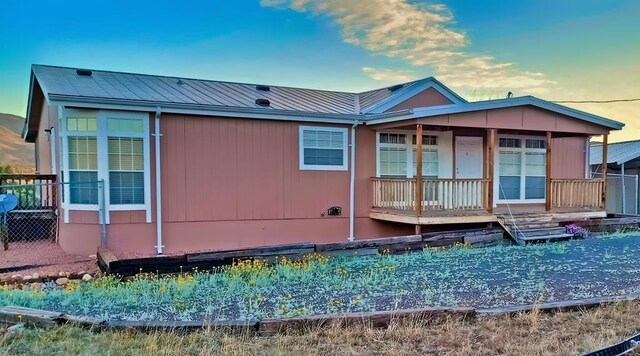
435 217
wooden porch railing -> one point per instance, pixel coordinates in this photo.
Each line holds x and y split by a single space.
586 193
34 191
437 194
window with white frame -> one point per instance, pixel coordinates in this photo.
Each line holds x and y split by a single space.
323 148
126 170
82 146
110 146
397 155
522 168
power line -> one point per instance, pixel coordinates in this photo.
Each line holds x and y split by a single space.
595 101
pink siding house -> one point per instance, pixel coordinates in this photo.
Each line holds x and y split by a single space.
191 164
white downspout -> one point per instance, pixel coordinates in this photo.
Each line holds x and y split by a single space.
352 183
159 246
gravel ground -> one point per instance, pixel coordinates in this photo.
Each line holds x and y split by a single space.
49 257
489 277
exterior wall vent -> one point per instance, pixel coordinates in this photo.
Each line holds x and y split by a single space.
263 102
395 87
84 72
263 87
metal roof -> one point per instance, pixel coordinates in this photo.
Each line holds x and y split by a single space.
64 82
617 153
142 92
142 88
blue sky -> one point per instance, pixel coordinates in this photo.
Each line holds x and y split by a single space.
553 49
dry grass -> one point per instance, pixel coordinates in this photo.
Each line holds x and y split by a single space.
534 333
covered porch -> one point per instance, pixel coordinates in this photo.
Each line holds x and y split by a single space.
477 184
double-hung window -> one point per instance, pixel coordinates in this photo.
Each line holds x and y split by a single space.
125 144
397 155
109 146
323 148
82 145
522 168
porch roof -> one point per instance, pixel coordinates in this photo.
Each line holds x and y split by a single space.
432 111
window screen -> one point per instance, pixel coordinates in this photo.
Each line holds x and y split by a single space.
126 170
510 173
535 172
393 162
323 148
83 170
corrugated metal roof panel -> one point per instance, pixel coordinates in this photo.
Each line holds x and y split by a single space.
617 153
163 89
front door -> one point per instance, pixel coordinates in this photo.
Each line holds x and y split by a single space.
468 157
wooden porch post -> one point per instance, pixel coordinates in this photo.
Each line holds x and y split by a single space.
491 141
547 204
418 175
605 140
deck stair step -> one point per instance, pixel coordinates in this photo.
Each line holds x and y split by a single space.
540 232
526 228
532 226
547 237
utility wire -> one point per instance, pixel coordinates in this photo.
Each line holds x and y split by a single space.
596 101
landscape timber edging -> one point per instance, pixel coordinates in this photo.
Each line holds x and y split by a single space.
480 237
381 319
267 327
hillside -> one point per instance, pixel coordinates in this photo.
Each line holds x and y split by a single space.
13 150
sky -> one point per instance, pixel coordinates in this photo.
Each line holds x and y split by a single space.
556 50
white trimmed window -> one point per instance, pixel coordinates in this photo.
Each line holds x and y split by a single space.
323 148
126 170
522 163
397 155
109 146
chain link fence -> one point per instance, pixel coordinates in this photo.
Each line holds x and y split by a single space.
622 193
29 232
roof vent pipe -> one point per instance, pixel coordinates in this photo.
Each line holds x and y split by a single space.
263 102
84 72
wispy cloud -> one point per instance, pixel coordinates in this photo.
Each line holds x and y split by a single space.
389 75
422 35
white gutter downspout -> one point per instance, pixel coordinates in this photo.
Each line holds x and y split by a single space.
159 246
352 182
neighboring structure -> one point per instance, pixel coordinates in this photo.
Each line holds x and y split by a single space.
197 164
623 163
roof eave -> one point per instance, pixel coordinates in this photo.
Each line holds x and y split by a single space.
137 105
496 104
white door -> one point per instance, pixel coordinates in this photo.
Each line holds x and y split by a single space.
468 165
468 157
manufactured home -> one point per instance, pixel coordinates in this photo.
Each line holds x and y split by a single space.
191 164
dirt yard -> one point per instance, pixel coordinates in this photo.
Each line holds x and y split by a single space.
44 258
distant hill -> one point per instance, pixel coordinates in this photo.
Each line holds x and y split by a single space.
13 150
